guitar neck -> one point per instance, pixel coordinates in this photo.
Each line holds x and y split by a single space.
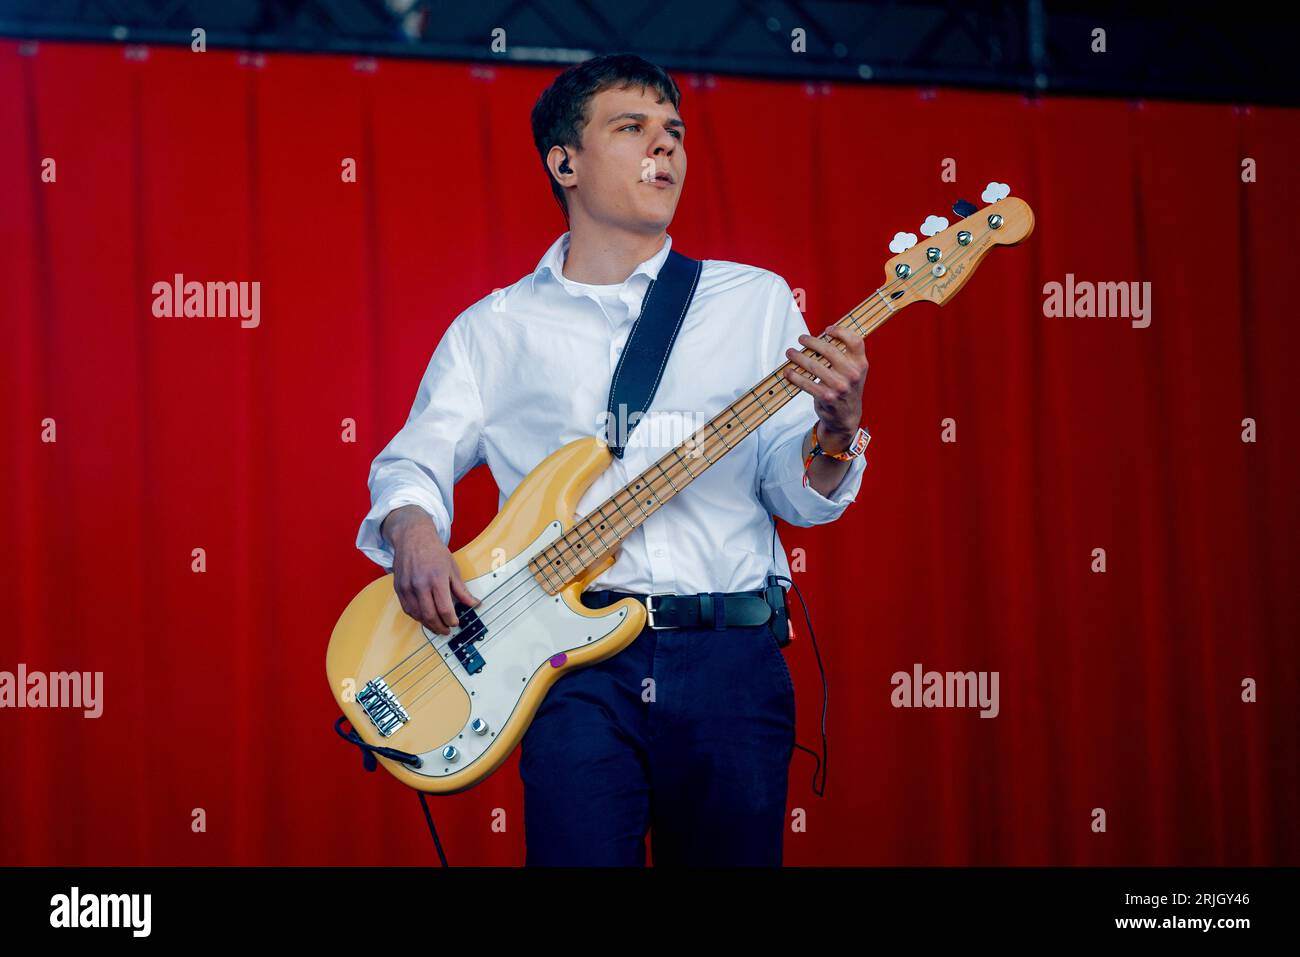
604 528
934 271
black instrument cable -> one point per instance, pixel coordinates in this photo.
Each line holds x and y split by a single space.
369 762
822 758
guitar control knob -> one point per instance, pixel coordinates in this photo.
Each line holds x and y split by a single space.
479 726
449 753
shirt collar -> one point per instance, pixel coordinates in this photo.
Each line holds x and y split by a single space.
553 261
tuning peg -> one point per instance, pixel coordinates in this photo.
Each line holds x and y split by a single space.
994 192
963 208
902 242
933 224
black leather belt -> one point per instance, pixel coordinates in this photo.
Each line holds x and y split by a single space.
716 610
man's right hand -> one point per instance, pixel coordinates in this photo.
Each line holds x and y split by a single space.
425 576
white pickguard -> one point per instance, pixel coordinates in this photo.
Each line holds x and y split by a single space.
526 628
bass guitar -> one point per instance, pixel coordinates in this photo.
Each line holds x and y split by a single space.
449 709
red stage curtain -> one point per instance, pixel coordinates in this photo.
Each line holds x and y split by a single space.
1120 691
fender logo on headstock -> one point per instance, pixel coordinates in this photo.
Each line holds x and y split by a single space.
939 288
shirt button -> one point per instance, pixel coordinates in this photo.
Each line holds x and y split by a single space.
659 553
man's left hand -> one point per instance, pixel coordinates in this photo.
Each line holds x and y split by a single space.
837 397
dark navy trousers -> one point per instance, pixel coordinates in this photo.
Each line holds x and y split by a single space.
687 733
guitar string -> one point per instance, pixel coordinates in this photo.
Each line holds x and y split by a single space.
496 629
875 320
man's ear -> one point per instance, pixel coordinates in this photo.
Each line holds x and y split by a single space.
558 160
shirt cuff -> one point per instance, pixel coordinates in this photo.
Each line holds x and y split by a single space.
372 542
816 508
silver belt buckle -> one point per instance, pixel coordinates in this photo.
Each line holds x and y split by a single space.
650 610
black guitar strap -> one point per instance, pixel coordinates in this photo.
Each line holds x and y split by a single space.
641 367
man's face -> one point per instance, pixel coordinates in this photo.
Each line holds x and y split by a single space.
628 145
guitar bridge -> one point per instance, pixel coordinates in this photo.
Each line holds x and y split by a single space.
382 707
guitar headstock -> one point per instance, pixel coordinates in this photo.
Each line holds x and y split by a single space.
934 269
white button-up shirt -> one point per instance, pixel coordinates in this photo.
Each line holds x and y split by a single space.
527 369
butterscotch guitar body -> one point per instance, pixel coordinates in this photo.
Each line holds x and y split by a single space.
461 702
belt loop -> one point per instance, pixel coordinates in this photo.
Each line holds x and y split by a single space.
719 610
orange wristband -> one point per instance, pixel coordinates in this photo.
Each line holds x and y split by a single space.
856 448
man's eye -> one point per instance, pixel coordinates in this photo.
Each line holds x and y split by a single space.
677 134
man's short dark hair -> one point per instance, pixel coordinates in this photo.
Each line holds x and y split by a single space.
561 111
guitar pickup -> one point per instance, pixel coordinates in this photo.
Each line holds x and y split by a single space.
462 643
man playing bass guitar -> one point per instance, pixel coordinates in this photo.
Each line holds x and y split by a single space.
688 732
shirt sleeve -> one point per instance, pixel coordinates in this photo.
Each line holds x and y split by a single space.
440 442
780 438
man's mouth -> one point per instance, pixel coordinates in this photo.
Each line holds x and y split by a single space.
665 177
